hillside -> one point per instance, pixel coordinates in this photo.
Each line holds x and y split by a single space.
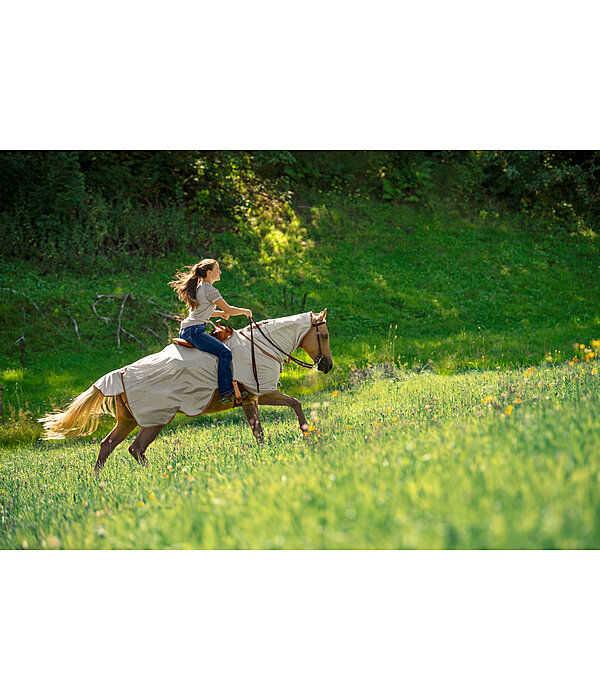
406 285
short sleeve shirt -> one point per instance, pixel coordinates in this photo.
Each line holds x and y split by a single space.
206 296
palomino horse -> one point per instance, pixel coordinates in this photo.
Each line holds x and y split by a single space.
82 415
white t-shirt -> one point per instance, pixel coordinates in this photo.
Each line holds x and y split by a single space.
206 296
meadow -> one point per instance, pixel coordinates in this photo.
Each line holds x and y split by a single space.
415 288
459 413
398 459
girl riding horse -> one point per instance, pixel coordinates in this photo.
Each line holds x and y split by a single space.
194 286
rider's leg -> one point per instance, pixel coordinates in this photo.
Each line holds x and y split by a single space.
203 341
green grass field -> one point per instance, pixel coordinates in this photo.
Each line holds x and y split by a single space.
494 459
449 444
410 287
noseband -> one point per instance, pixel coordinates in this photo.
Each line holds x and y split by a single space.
316 325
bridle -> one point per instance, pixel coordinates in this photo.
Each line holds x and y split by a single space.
316 361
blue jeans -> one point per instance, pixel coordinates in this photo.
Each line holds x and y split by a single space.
199 338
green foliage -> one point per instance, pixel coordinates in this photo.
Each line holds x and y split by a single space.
18 427
217 192
386 175
406 183
101 230
143 178
67 208
559 187
458 183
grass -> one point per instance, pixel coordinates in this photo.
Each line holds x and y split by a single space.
450 444
483 459
415 288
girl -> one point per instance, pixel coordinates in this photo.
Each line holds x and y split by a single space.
194 286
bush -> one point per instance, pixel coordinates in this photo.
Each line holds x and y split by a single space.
558 187
66 208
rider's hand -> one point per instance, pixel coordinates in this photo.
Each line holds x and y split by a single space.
225 315
248 313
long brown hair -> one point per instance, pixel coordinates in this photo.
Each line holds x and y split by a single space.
186 281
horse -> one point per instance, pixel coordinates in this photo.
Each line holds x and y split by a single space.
82 415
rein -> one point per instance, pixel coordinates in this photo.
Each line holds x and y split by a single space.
316 362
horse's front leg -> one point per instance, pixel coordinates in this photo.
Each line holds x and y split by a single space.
253 417
278 398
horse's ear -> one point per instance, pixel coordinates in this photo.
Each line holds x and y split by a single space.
323 314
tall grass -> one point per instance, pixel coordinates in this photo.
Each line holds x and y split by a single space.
483 459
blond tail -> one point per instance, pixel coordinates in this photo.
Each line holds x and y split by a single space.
80 418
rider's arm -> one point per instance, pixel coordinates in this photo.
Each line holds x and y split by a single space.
220 314
232 310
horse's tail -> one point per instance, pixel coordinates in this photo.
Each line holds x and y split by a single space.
80 418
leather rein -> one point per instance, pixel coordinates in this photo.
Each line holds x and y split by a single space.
315 364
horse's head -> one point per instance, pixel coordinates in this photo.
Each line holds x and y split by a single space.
316 342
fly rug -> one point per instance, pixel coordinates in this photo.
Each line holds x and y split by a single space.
150 392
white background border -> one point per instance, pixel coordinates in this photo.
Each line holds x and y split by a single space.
314 75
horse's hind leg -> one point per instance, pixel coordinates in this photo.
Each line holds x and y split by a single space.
125 424
138 447
253 417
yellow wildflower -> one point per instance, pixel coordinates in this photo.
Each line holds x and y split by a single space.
509 410
594 371
152 495
517 400
581 346
487 399
311 428
335 393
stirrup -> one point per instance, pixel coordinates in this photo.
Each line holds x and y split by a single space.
240 392
238 395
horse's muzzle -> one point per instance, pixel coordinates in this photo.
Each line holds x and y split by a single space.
325 365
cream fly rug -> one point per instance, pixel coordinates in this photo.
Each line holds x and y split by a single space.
185 379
